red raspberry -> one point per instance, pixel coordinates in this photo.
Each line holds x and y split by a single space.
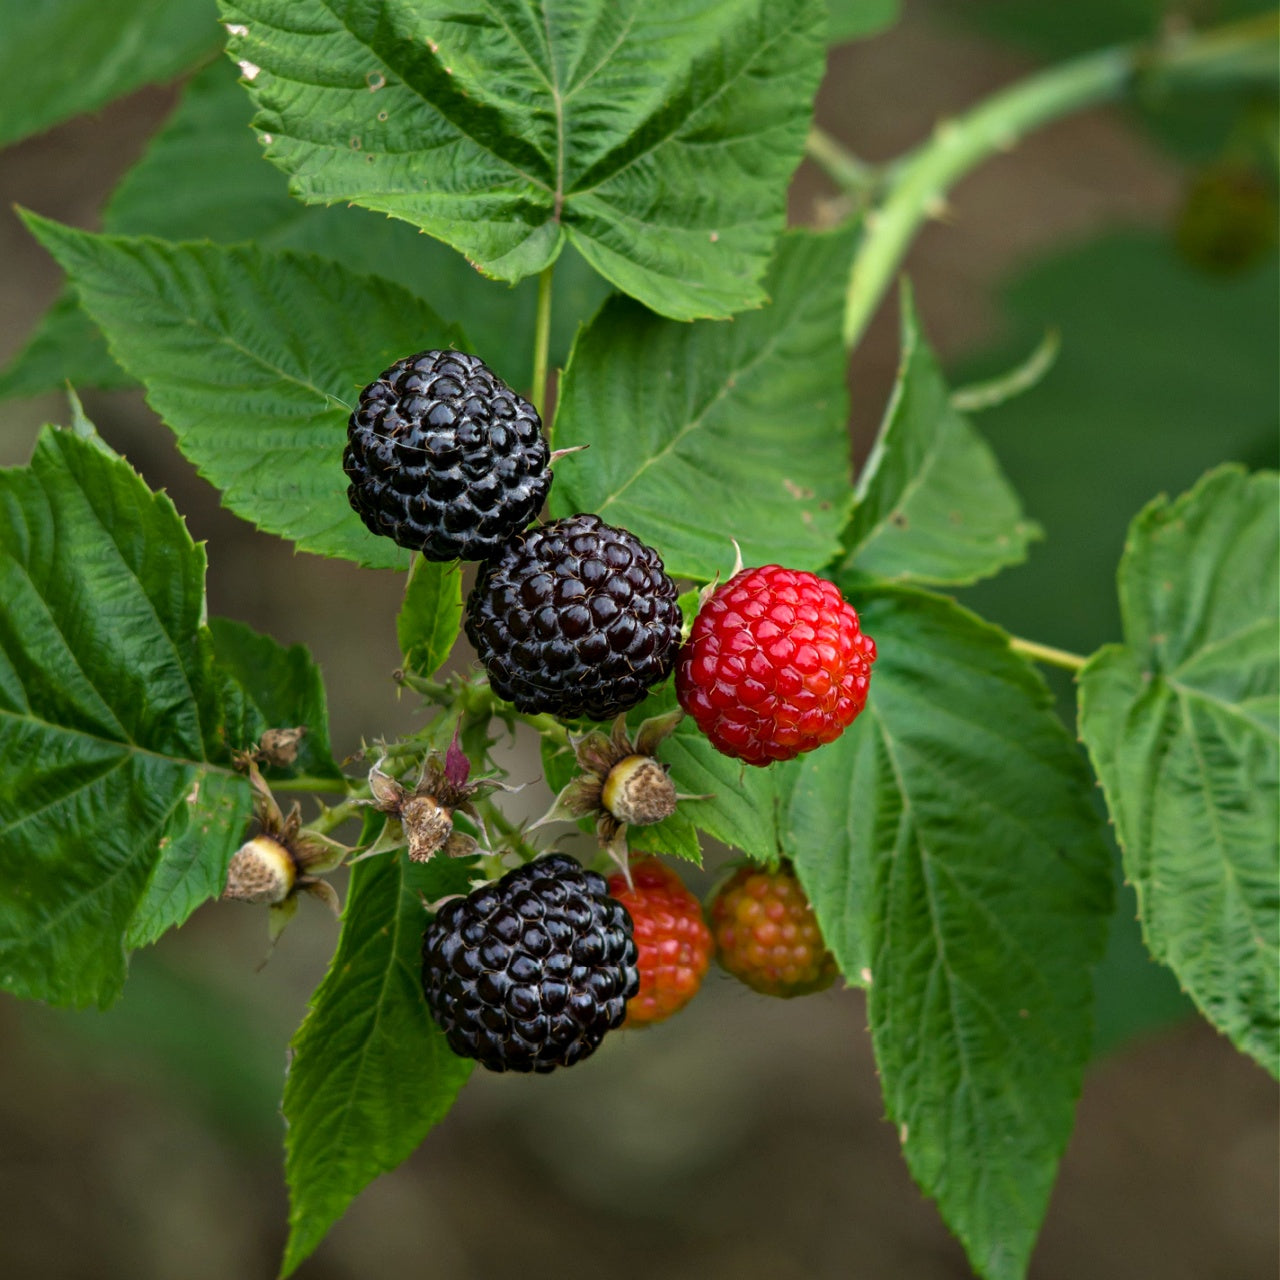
766 934
775 665
673 940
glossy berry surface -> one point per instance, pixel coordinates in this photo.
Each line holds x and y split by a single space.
444 458
576 618
776 664
531 972
672 938
766 934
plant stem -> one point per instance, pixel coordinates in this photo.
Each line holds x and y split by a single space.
431 690
542 341
548 726
840 164
1047 654
920 182
338 786
332 819
509 830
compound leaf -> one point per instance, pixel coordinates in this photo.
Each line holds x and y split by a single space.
370 1072
961 875
430 615
656 139
932 504
701 434
116 820
61 57
1181 722
254 359
202 177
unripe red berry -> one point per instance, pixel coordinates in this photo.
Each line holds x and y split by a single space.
766 934
671 935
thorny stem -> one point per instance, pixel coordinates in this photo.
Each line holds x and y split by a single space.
509 830
919 183
478 699
542 340
331 819
432 690
1047 654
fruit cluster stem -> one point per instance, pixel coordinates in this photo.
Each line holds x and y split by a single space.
1241 51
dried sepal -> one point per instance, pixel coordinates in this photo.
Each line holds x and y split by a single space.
279 747
654 730
323 890
280 915
425 814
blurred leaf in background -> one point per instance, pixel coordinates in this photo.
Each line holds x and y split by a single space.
88 53
1191 125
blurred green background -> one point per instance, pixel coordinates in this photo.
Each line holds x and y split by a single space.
745 1138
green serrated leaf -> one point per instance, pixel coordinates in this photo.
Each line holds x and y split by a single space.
61 57
254 359
370 1072
282 688
202 177
960 874
932 504
115 821
1183 724
656 139
857 19
430 615
702 434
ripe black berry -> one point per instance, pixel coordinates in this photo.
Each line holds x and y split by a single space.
576 618
531 972
444 458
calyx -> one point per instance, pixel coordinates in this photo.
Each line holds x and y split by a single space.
622 782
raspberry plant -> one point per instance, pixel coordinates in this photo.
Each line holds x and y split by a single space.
629 163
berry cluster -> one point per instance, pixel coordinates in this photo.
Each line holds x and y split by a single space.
532 972
578 618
